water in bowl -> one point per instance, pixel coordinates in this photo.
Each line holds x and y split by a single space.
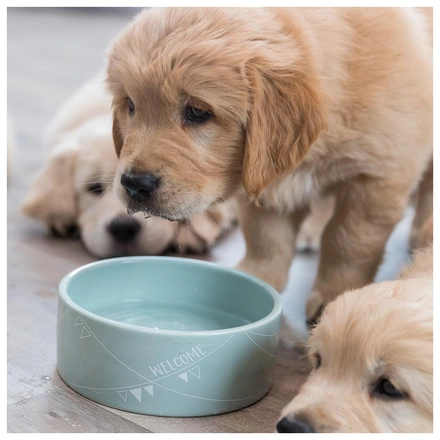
182 317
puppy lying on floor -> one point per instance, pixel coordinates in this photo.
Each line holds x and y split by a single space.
74 189
372 359
276 105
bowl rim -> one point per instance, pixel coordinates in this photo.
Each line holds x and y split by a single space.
276 310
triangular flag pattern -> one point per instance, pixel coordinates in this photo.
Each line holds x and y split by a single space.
123 394
149 389
137 393
184 376
84 333
195 371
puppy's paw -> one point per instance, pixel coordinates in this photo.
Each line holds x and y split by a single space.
186 241
314 306
216 222
200 233
293 335
60 229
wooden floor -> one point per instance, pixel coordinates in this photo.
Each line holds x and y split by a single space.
50 53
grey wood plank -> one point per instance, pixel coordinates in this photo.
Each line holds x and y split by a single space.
65 411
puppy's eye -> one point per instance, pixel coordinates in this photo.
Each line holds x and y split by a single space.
95 188
131 108
317 361
385 389
195 114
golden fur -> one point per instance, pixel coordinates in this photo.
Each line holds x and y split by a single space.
382 331
82 157
303 102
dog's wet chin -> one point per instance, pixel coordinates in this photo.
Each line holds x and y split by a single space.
150 208
134 206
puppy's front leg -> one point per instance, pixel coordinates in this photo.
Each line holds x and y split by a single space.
270 242
353 241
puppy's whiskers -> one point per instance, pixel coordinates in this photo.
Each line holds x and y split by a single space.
175 239
223 230
143 229
226 202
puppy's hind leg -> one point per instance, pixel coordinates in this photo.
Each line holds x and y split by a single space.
353 242
424 207
309 235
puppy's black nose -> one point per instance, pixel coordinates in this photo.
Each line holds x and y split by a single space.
286 424
124 229
139 186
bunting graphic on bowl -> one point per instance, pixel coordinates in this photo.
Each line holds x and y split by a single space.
184 365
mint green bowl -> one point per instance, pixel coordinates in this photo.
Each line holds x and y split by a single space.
167 336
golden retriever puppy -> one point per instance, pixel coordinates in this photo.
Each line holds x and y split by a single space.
372 360
74 189
275 106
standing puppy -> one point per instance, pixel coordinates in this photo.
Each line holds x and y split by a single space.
277 105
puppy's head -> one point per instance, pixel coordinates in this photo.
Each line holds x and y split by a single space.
105 227
372 359
74 190
207 101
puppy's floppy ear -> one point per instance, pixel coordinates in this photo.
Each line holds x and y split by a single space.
52 198
287 113
117 135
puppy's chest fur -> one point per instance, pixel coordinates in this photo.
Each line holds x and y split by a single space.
311 179
292 191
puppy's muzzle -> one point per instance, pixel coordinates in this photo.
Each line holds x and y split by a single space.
140 186
288 424
124 229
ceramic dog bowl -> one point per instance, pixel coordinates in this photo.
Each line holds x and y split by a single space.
167 336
